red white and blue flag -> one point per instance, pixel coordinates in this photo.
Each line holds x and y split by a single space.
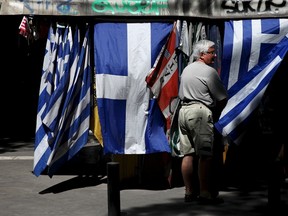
163 78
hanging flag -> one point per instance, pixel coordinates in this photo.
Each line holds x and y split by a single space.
62 118
95 125
253 50
73 128
185 49
163 78
63 53
131 121
42 150
185 41
24 27
52 115
53 81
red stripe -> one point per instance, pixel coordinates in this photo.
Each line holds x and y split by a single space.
170 90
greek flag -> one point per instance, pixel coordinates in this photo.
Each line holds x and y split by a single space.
131 122
63 117
42 150
252 52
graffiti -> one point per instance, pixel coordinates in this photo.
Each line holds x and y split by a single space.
134 7
239 6
189 8
130 6
27 5
64 7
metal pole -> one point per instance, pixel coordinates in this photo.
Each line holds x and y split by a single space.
113 184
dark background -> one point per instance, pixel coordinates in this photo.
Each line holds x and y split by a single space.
21 65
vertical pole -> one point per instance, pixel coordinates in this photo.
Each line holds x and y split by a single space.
113 189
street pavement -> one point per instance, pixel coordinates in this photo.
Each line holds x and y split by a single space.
71 194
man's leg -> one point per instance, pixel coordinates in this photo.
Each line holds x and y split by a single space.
204 172
205 180
187 174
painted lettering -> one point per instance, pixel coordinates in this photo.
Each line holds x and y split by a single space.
130 6
27 5
233 7
63 7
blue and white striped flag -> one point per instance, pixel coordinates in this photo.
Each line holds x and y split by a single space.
62 118
42 149
73 127
131 122
252 52
51 116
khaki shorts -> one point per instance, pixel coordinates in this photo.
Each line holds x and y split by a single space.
196 129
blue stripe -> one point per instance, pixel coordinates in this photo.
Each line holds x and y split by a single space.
227 52
246 50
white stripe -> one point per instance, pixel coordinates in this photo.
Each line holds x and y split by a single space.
40 150
257 39
109 83
16 157
139 64
236 53
39 120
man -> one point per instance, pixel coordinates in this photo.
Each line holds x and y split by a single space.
203 98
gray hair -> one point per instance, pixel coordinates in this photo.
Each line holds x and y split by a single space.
201 46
